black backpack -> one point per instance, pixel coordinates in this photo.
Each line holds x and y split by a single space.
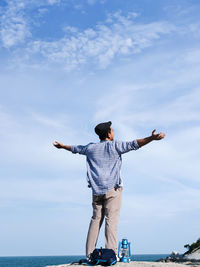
102 256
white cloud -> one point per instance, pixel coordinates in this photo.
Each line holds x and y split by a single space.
119 36
162 205
70 29
106 42
99 45
52 2
173 161
14 27
58 190
42 11
28 141
91 2
146 99
181 110
120 99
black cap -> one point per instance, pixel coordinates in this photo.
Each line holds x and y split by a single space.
103 128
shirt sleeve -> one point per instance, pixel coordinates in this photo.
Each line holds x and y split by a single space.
124 147
79 149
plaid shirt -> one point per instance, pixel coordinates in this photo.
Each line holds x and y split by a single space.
104 161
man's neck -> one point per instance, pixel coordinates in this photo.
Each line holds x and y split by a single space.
108 139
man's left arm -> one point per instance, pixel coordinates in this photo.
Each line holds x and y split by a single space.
146 140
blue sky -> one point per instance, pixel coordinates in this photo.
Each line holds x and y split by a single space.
66 66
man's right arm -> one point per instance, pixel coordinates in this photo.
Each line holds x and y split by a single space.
74 149
60 145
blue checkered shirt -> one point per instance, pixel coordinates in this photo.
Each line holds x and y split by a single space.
104 161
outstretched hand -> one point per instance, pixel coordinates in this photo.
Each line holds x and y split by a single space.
158 136
58 145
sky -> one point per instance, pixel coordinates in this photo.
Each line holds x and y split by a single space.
67 65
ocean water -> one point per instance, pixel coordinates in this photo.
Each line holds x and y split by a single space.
42 261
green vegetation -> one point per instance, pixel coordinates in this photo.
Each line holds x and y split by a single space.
192 246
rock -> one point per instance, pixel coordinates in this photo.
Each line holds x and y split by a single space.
161 260
175 253
194 255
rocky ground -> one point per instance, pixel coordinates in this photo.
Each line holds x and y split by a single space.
139 264
173 260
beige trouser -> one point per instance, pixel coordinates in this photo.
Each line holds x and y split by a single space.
107 206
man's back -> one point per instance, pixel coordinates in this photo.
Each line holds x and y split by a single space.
104 163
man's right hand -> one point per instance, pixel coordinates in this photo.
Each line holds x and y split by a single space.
58 145
158 136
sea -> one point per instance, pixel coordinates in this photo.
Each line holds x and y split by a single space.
42 261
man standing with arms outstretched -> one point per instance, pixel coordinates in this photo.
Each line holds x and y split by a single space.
103 175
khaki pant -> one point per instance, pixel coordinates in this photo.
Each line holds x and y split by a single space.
107 206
